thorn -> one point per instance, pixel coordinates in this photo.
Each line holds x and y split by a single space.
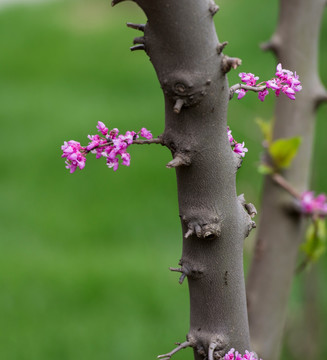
221 47
115 2
214 8
251 210
139 40
253 225
273 44
170 354
182 278
138 47
189 233
176 269
140 27
229 63
198 230
179 160
178 106
212 348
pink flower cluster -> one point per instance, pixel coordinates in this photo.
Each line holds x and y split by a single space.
110 145
285 81
311 204
238 148
235 355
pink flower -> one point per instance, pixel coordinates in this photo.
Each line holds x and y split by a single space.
241 93
230 136
126 157
110 145
74 153
146 133
311 205
113 164
240 149
235 355
262 94
249 78
102 128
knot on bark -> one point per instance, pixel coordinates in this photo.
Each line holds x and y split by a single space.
180 159
221 47
207 345
190 269
203 230
185 89
228 63
251 212
213 8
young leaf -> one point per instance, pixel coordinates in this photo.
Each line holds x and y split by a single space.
266 129
315 243
265 169
283 151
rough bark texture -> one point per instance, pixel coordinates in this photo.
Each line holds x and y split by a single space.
295 44
182 44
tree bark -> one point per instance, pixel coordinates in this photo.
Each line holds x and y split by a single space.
182 44
281 229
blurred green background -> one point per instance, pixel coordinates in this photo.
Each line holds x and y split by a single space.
84 258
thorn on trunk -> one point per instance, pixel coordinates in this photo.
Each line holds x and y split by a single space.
140 27
213 8
178 106
212 348
189 233
179 160
221 47
139 40
138 47
251 210
228 63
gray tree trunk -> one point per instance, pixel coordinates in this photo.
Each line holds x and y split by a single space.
281 230
181 42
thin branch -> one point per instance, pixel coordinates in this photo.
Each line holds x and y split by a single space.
139 27
167 356
245 87
182 278
136 142
228 63
149 141
212 348
281 181
176 269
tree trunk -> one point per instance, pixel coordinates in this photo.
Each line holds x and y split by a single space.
281 230
182 44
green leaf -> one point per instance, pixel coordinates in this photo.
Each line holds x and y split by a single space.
265 169
283 151
266 129
315 243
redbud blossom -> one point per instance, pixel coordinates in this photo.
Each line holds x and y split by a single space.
285 82
109 146
235 355
311 204
238 148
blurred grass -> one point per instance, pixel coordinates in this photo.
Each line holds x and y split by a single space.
84 257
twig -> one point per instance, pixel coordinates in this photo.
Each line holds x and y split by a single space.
182 277
245 87
136 142
167 356
282 182
212 348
